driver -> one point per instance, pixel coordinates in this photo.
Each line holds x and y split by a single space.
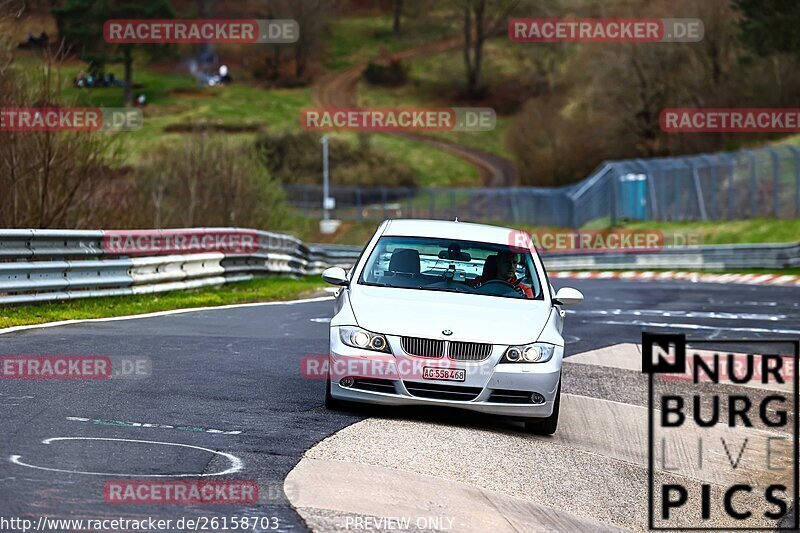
507 264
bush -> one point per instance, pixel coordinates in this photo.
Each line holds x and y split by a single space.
48 179
206 181
552 148
296 158
391 74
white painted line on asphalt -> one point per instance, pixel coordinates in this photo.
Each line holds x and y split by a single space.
236 463
122 423
695 326
162 313
715 315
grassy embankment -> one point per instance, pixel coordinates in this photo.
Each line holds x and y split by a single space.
257 290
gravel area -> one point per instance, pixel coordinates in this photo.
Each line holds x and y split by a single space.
585 484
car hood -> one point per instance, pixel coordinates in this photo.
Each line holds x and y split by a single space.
472 318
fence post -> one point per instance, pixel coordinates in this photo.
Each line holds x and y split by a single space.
712 167
612 204
698 190
512 198
651 207
796 154
753 207
776 183
731 165
574 213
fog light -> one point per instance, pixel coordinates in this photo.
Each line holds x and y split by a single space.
346 382
537 398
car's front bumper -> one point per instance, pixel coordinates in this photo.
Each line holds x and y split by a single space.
489 377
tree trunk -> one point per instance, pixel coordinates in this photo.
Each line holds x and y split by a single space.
299 60
398 13
473 45
128 75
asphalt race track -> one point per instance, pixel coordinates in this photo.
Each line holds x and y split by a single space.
229 381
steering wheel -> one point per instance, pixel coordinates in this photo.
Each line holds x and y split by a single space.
517 288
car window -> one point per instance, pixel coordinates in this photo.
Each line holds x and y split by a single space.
449 265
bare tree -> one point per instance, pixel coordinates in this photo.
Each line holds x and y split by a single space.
49 178
397 13
311 16
480 19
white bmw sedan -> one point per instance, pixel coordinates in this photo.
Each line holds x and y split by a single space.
451 314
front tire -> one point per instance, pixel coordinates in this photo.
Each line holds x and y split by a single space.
331 403
546 426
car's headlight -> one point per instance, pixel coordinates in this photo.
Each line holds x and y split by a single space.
361 338
538 352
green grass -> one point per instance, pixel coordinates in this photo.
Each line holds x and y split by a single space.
433 82
174 99
729 232
361 38
257 290
433 167
733 232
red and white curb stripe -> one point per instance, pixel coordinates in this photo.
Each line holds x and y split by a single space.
696 277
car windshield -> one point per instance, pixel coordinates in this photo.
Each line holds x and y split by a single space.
448 265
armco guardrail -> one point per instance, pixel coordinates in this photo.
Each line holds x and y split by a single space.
708 257
44 265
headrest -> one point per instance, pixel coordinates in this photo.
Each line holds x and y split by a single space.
405 260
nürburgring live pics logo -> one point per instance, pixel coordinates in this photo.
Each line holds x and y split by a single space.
726 424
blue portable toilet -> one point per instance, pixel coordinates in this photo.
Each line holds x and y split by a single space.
633 196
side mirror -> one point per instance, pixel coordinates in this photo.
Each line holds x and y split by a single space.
568 296
335 276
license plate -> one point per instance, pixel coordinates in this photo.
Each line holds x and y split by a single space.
446 374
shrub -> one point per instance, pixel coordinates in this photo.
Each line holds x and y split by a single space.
391 74
296 158
207 181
